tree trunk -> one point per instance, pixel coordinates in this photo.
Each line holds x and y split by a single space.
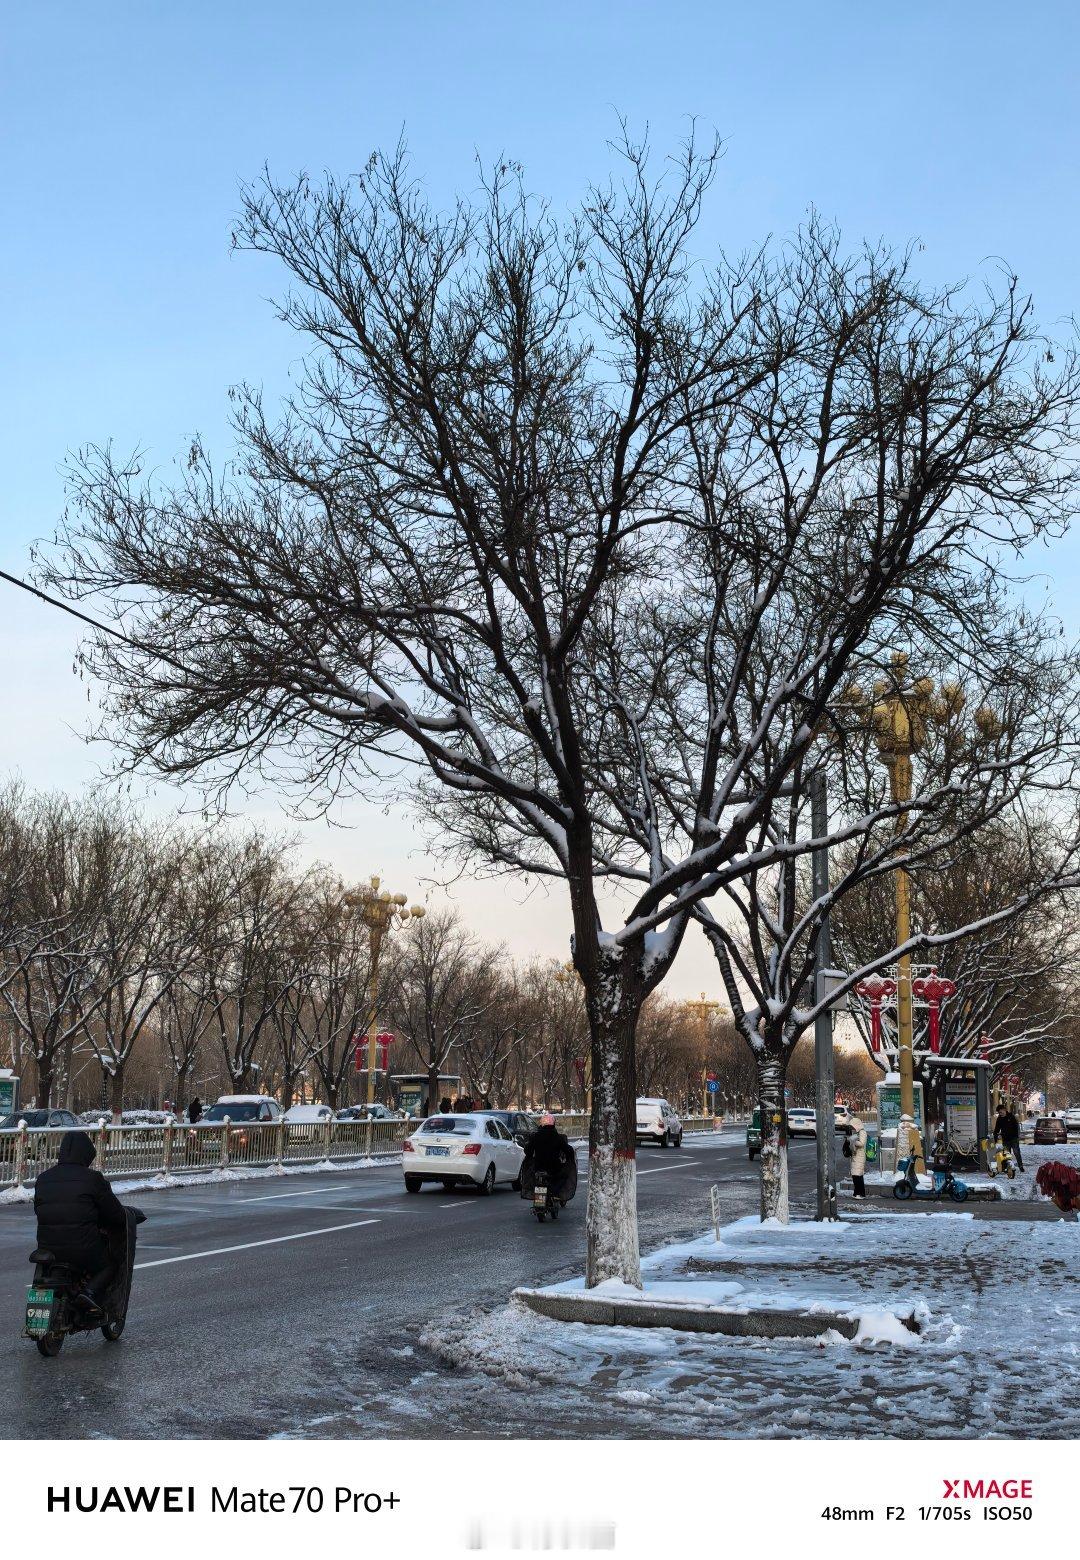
611 1217
45 1072
433 1089
116 1092
771 1074
181 1086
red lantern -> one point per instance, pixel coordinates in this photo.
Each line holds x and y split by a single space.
874 990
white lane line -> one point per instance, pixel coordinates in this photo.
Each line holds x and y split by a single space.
684 1164
249 1245
314 1191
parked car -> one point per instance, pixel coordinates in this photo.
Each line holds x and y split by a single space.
241 1107
94 1118
458 1150
520 1126
801 1121
658 1123
1072 1118
1050 1129
842 1116
372 1112
753 1133
39 1119
308 1115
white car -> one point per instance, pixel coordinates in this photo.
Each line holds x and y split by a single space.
308 1115
453 1150
1072 1119
801 1121
658 1123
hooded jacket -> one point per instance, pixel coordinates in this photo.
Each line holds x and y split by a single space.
74 1204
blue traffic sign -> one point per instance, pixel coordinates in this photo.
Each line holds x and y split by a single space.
713 1086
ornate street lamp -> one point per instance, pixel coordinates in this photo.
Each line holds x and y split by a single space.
701 1009
381 912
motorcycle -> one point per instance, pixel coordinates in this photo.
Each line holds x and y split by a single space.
943 1183
544 1201
52 1311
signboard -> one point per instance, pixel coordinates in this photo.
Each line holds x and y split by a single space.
9 1092
713 1086
409 1097
888 1107
961 1120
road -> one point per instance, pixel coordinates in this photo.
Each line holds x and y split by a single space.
296 1306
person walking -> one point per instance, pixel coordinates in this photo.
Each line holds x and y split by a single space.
194 1110
1009 1129
855 1145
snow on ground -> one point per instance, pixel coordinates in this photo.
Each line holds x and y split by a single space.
999 1354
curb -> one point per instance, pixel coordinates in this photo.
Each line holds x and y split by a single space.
734 1324
975 1194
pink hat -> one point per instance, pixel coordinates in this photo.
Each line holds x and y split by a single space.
547 1120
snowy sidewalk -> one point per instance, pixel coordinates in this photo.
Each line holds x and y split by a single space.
999 1354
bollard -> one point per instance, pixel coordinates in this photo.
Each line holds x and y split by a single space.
102 1147
281 1145
328 1125
225 1143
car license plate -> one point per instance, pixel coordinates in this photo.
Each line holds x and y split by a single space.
444 1151
39 1306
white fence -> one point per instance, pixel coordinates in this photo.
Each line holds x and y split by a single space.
178 1150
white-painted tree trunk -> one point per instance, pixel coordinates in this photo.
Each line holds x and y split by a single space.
611 1219
774 1156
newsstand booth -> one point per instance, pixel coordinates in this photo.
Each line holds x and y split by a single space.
958 1090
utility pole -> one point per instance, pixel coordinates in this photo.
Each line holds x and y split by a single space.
702 1010
825 1085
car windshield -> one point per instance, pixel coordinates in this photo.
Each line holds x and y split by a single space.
33 1118
245 1110
462 1125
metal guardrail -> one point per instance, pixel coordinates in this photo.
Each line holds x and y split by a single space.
182 1149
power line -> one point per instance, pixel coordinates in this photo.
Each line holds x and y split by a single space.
83 617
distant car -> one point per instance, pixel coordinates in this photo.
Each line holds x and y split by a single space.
842 1117
94 1118
658 1123
1051 1129
308 1115
38 1120
1072 1118
520 1126
801 1122
457 1150
367 1113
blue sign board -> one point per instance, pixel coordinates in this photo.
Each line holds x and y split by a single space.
713 1086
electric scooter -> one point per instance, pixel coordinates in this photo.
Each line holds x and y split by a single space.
52 1311
942 1183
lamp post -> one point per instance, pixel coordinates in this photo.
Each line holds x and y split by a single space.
702 1008
381 912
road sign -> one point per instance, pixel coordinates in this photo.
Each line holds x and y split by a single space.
712 1085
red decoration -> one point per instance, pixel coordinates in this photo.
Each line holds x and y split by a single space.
874 990
934 990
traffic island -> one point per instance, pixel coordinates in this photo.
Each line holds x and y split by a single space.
608 1310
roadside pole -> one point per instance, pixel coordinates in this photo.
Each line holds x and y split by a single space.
825 1095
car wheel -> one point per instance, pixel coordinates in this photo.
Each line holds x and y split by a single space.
663 1141
412 1183
678 1141
487 1185
112 1330
515 1186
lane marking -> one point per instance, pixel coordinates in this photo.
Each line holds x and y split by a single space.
684 1164
312 1191
249 1245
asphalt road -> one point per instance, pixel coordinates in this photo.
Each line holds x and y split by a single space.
295 1306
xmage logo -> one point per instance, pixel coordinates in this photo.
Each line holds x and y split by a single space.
988 1489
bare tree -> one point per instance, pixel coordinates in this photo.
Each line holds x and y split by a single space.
517 444
440 990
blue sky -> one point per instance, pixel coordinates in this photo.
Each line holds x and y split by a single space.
128 128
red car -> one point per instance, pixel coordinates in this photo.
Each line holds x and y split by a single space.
1050 1129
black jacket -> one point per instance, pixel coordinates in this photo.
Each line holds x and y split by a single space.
74 1204
549 1149
1008 1129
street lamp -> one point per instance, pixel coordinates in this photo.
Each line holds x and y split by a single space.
898 715
701 1008
381 912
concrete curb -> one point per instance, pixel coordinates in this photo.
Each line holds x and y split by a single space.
734 1324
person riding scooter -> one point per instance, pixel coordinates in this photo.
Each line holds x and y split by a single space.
549 1150
74 1205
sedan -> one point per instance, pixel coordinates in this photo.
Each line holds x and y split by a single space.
37 1119
801 1122
1072 1118
519 1126
1050 1129
454 1150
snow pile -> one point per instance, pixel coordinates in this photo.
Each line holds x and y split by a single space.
998 1354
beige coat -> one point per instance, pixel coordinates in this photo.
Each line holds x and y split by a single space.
857 1139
